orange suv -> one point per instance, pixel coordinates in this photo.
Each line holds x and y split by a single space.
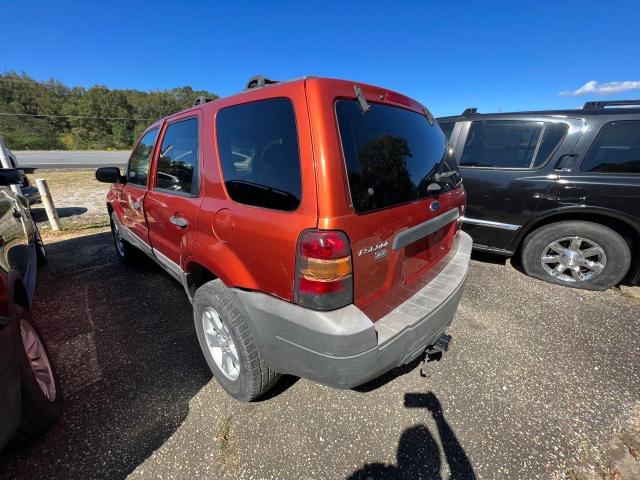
315 226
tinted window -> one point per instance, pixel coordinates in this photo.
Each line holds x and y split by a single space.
178 161
501 144
616 149
138 168
553 134
391 154
258 145
447 128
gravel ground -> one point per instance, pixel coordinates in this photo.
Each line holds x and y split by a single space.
79 198
539 378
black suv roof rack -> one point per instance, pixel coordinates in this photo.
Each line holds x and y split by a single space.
201 100
469 111
611 103
259 81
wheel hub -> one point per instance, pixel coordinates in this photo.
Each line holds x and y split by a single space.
38 360
572 259
220 343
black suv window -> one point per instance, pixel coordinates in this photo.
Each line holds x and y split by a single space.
138 168
616 149
178 161
258 145
447 129
501 144
391 154
511 143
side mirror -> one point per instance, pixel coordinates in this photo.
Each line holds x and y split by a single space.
108 174
10 176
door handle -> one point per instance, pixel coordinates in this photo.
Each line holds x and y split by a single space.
179 221
563 160
135 205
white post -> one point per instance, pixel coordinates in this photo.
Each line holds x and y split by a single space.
45 195
4 160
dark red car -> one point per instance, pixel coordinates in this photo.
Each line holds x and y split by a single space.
314 224
30 394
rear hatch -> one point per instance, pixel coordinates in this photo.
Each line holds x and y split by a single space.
406 196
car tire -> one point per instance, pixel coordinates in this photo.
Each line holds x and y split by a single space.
41 252
227 344
593 256
126 252
39 409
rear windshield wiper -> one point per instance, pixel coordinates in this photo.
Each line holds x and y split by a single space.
364 105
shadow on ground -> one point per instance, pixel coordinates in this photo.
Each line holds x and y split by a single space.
418 454
106 324
40 215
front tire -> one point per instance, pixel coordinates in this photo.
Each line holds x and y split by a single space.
227 344
577 254
40 388
126 252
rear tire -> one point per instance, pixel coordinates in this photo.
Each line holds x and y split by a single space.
39 409
227 343
596 257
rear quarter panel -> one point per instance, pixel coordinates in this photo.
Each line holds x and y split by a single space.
246 246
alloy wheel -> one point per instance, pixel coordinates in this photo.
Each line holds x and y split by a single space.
573 259
220 343
38 359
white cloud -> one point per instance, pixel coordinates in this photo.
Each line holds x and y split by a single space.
603 88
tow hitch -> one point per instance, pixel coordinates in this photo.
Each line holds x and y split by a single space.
434 352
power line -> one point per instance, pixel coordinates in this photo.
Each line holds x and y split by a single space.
35 115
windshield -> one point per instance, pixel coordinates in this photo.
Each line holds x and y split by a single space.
392 155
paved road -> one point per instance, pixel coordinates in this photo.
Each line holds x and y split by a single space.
71 159
537 377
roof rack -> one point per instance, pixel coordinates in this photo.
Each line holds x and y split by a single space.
612 103
259 81
201 100
469 111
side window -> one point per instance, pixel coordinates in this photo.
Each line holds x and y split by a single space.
258 147
178 161
138 168
552 136
447 128
616 149
501 144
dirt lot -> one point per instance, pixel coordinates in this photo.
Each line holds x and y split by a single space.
79 199
541 382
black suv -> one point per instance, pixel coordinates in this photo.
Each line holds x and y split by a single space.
560 189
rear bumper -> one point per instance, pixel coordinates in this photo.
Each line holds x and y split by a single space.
343 348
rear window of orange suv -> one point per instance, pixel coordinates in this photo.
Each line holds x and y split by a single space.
391 154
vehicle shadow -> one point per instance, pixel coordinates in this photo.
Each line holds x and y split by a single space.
418 454
125 346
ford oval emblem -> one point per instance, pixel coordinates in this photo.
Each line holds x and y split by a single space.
435 206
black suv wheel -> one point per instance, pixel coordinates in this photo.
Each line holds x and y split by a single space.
577 254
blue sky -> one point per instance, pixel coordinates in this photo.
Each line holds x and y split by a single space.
494 55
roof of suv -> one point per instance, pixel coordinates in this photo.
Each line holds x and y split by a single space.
624 107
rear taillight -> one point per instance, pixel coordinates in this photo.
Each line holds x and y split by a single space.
324 279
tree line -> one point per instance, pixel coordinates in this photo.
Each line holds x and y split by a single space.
119 115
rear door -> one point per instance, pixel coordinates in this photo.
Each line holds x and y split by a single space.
505 163
173 200
606 172
131 197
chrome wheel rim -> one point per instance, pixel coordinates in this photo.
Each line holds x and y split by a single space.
573 259
220 344
38 359
117 237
